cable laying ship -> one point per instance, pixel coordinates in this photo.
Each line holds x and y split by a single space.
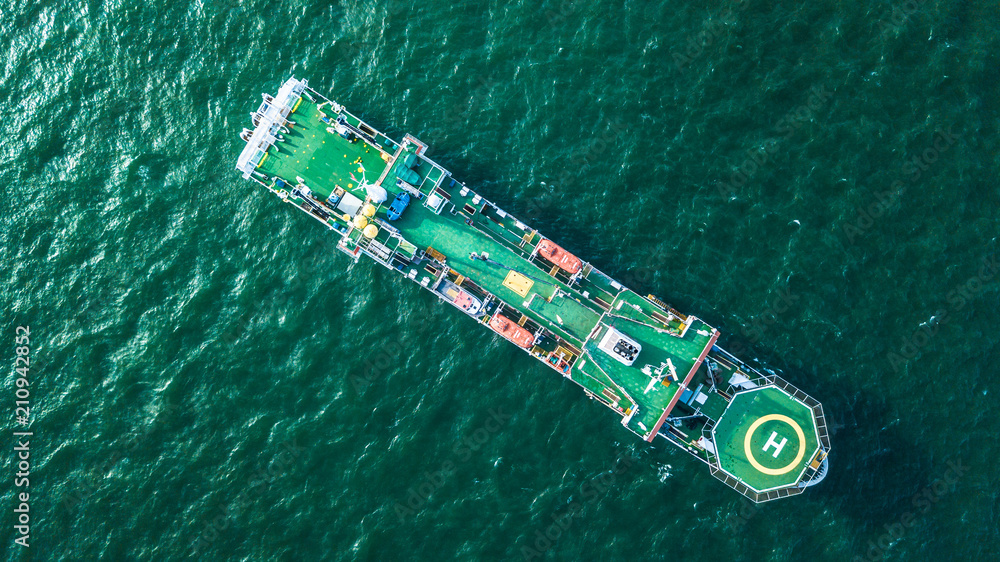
659 370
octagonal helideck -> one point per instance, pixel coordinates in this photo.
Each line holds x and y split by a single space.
766 438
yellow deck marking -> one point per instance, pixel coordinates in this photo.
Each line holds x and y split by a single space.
518 283
789 466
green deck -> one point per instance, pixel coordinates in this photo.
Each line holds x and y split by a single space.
567 313
323 160
783 417
568 316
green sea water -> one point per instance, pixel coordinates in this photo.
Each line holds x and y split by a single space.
211 379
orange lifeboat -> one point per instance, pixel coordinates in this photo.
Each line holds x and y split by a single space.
510 330
563 259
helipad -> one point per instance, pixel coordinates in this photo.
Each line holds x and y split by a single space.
766 438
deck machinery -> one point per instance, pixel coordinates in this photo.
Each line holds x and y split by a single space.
659 370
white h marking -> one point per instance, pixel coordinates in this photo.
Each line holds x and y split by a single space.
772 442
